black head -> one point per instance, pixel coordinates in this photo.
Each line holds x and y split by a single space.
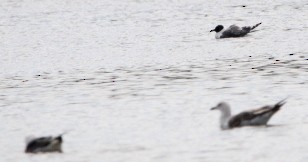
218 28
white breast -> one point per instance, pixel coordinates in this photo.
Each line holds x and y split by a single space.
224 121
218 35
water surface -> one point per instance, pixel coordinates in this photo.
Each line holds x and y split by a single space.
134 80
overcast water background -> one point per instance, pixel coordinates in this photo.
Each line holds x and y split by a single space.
135 80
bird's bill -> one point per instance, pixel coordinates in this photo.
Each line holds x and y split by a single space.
213 108
212 30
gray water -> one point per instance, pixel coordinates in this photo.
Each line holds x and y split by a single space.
134 80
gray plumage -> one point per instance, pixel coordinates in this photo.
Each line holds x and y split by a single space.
233 31
255 117
44 144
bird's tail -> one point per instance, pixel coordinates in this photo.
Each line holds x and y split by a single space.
280 104
253 27
59 137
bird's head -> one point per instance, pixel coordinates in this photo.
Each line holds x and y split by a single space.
222 106
218 28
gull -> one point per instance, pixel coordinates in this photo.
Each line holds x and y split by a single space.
232 31
255 117
44 144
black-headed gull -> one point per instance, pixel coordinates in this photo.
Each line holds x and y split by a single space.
232 31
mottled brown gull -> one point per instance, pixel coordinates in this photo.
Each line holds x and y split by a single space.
232 31
255 117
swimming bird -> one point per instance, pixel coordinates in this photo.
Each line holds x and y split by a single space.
44 144
255 117
232 31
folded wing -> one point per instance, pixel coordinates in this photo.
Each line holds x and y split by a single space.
255 117
37 143
235 31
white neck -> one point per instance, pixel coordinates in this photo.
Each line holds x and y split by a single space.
218 34
224 118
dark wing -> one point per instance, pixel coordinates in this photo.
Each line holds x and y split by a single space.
235 31
38 143
255 117
239 119
266 109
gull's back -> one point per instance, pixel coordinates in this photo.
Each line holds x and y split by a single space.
44 144
235 31
255 117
